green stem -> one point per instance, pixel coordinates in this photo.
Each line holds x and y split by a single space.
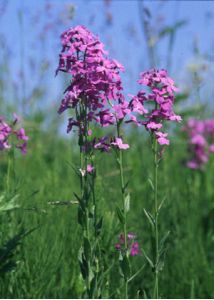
156 287
9 166
120 162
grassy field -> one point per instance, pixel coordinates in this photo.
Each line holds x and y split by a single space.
46 259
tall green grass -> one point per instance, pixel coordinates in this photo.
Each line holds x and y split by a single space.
46 259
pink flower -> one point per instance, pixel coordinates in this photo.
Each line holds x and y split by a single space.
201 138
161 138
153 125
198 140
133 246
103 144
90 168
211 148
192 164
160 98
119 144
6 132
135 250
95 79
21 135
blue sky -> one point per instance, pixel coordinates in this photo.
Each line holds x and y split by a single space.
124 37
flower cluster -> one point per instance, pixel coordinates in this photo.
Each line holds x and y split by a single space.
156 105
9 135
133 245
201 141
95 90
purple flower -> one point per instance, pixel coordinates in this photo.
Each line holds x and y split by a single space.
133 245
8 131
119 144
201 141
21 135
103 144
90 168
95 80
161 96
135 250
161 138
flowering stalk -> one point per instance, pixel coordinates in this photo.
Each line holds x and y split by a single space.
160 93
95 80
123 193
11 137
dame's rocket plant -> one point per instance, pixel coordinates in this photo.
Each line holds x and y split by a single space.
155 104
95 96
201 142
12 137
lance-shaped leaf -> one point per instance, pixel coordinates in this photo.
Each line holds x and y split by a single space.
120 215
149 217
125 267
127 203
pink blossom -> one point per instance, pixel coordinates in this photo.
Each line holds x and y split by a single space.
161 138
201 139
211 148
95 78
119 144
161 95
135 250
132 244
9 131
153 125
90 168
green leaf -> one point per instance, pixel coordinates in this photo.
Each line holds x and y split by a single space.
83 264
145 295
81 216
77 197
161 204
93 287
7 252
137 273
9 205
163 240
120 215
127 203
151 184
148 259
150 218
86 248
126 185
160 265
99 226
125 267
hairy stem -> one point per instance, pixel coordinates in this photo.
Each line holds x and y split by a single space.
156 286
122 185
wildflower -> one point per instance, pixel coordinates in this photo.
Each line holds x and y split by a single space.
133 245
201 138
161 138
95 83
161 95
90 168
8 132
119 144
134 249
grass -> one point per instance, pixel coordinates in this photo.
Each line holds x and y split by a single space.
46 260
